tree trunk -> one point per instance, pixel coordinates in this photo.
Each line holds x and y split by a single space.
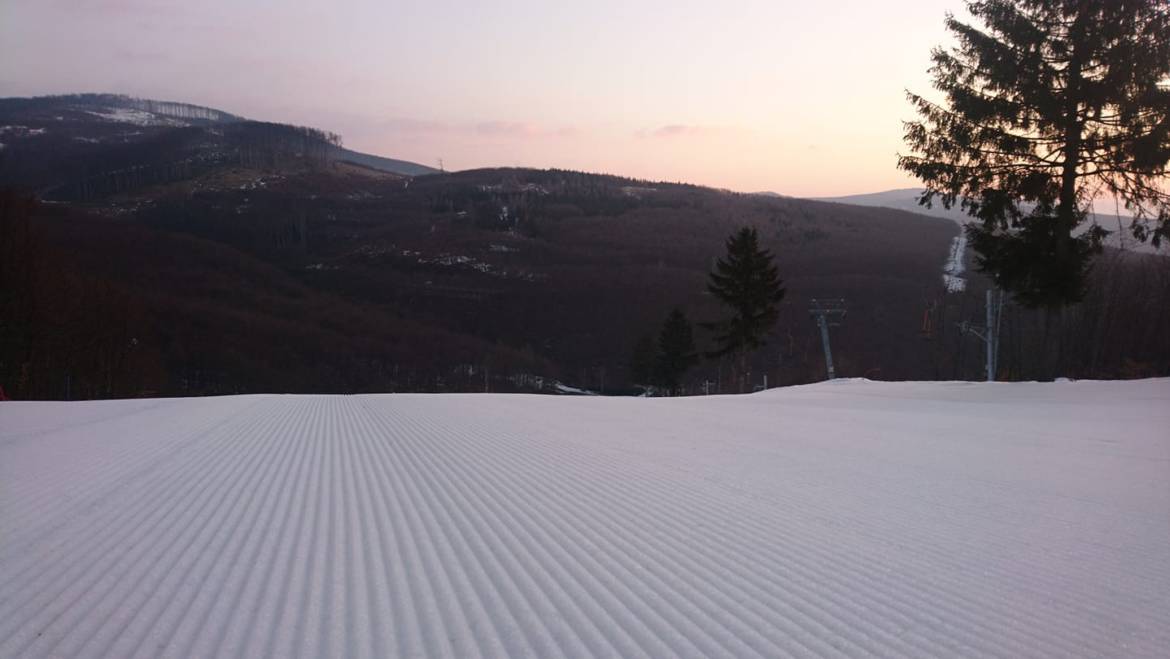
743 372
1047 372
1066 209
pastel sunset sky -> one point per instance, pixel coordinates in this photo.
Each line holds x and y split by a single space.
802 98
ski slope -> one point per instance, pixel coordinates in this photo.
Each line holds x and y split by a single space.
844 519
953 278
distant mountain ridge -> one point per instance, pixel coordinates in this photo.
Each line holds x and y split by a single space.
87 117
906 199
112 107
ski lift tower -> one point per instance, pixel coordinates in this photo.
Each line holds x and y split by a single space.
828 313
989 333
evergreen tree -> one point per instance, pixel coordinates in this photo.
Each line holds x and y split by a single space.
747 282
676 352
1048 103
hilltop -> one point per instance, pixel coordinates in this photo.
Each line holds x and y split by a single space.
83 145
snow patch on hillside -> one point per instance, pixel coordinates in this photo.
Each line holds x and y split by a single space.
136 117
21 131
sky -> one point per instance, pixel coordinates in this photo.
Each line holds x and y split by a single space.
803 98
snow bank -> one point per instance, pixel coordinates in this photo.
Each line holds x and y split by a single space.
844 519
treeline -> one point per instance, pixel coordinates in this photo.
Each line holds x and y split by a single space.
1121 329
63 332
326 281
265 144
72 154
184 111
165 156
179 154
99 308
524 201
129 179
270 225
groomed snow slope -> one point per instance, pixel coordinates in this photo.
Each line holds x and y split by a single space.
842 519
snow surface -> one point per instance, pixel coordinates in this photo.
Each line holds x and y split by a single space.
850 518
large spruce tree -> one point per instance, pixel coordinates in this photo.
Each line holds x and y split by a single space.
747 282
1047 104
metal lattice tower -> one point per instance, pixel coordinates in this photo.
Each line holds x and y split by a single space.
828 313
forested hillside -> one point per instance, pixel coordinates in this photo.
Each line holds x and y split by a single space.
225 256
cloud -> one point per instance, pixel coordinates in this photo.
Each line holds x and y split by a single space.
411 127
131 8
675 130
138 55
505 129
